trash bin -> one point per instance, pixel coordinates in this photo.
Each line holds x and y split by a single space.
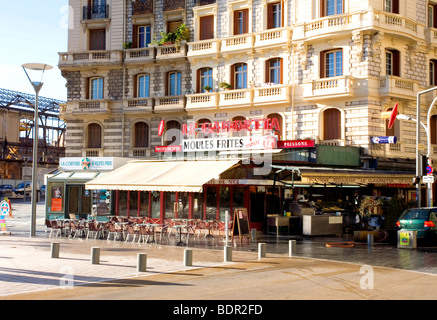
407 239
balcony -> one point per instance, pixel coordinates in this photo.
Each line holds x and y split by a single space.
140 55
95 12
328 88
171 52
235 98
329 25
170 5
397 86
142 7
88 107
203 48
85 58
202 101
431 36
239 43
138 105
169 104
271 94
273 38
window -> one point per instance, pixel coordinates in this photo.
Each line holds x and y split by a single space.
241 21
172 26
332 63
392 64
240 76
331 124
141 138
97 40
278 119
96 88
274 15
172 133
144 36
391 6
331 7
274 71
174 83
206 28
432 15
204 79
433 72
143 86
94 136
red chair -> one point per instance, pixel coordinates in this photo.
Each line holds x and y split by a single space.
131 232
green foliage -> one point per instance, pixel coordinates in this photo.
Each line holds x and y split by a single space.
181 34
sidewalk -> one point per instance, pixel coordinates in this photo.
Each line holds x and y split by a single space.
26 265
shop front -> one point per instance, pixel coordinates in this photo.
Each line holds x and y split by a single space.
66 195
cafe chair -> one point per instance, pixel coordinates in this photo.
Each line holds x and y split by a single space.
48 226
131 232
76 228
55 226
144 233
93 228
116 233
72 215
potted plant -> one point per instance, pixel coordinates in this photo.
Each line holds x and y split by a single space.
127 45
207 88
182 34
225 85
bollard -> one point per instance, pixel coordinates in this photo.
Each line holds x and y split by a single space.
253 234
292 247
95 255
228 253
55 250
141 262
370 239
188 257
261 250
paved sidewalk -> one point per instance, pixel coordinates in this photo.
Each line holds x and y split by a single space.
26 265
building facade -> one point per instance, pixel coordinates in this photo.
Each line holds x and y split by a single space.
327 71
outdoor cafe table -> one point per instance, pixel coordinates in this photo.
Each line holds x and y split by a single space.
179 227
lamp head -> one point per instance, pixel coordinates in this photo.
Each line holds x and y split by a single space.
36 68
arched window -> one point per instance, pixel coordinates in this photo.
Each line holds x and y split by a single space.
276 118
141 135
172 133
238 123
94 134
331 124
204 78
239 76
274 71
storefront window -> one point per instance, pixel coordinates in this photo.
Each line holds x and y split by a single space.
170 199
122 203
211 203
183 205
272 201
144 203
257 201
225 202
133 203
101 202
56 197
156 205
198 205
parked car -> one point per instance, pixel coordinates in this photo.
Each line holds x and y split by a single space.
24 187
6 189
422 220
43 190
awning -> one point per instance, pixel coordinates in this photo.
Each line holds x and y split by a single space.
185 176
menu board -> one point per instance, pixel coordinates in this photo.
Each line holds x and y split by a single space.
240 226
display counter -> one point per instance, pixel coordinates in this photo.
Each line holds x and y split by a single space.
276 223
322 225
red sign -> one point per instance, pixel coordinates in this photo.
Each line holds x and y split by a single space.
296 144
161 128
393 115
168 148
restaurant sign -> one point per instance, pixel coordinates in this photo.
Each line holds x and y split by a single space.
291 144
229 143
356 180
86 163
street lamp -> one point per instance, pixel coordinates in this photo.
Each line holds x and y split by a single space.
35 69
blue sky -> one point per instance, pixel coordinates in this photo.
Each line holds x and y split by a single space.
33 31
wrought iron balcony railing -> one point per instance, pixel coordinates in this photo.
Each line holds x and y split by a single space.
174 5
142 7
95 12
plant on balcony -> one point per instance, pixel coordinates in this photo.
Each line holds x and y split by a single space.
181 34
127 45
225 85
207 88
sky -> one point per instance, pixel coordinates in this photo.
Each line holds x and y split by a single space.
33 31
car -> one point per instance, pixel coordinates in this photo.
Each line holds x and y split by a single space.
6 189
24 187
422 220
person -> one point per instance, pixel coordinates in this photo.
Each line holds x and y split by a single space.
56 192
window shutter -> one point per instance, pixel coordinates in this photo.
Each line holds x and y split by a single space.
270 16
396 63
235 23
206 28
267 71
396 6
322 8
322 64
233 76
87 89
433 129
198 88
135 86
134 36
281 76
245 20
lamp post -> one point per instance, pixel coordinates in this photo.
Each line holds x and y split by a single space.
36 68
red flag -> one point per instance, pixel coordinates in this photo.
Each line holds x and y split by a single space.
161 128
393 115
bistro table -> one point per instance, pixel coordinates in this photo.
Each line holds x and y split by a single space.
179 227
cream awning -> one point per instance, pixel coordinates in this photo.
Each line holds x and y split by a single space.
186 176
